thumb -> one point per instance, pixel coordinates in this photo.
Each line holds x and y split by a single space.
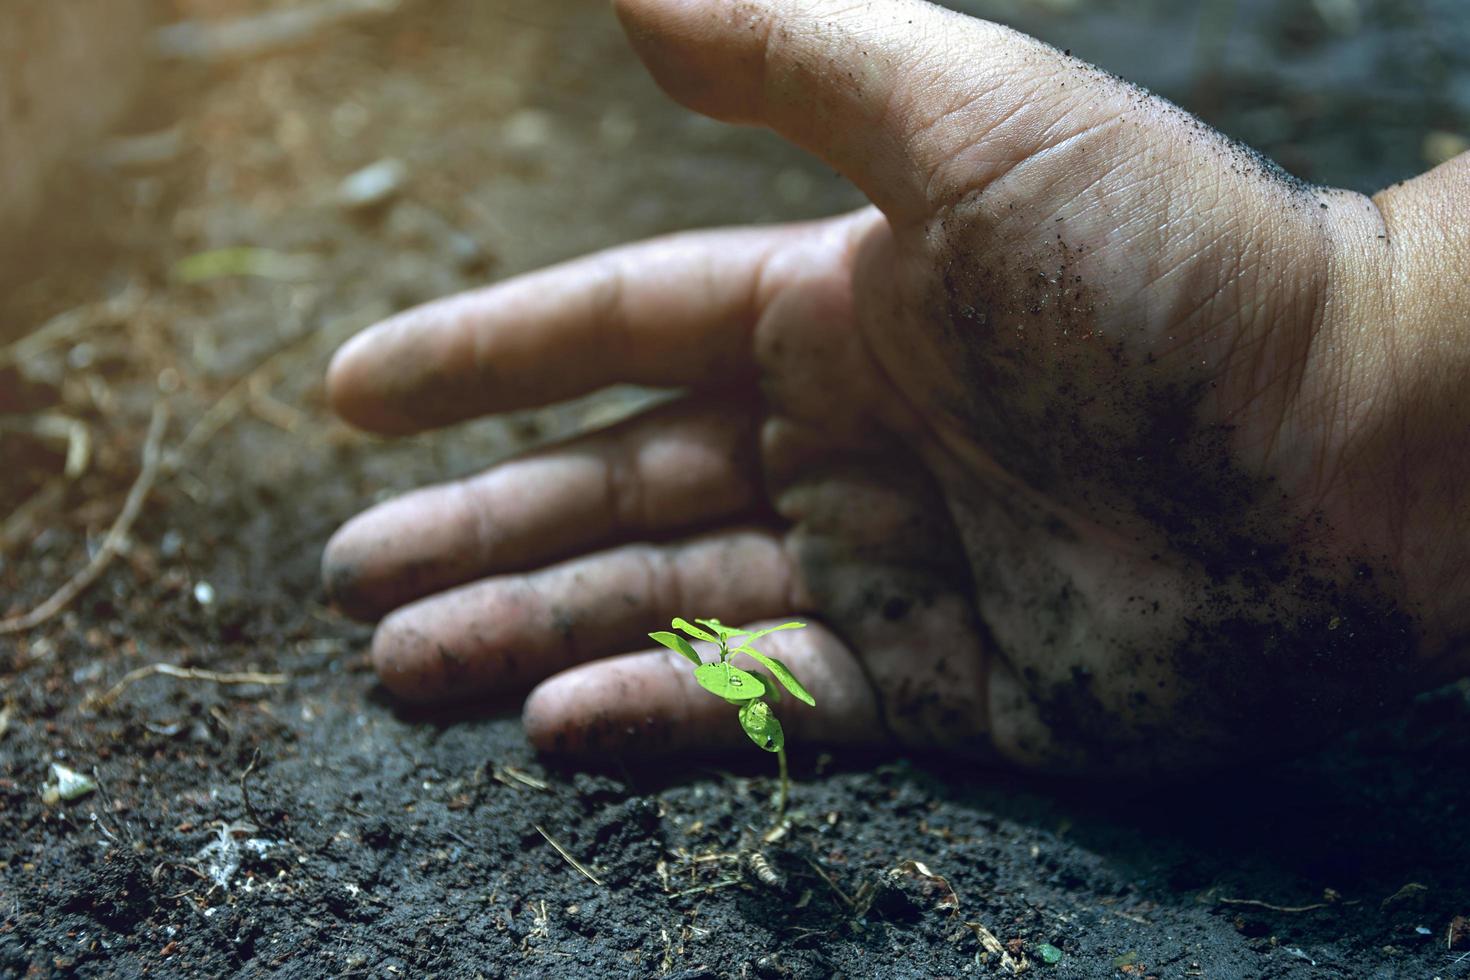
915 104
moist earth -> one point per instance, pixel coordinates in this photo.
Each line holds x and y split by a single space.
270 809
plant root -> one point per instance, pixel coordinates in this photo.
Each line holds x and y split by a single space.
112 545
183 673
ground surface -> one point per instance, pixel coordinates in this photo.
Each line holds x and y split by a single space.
368 841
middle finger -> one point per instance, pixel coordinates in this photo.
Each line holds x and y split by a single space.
667 470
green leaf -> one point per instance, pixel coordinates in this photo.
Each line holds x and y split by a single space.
692 630
782 673
762 726
678 644
776 629
720 629
728 682
245 260
1049 954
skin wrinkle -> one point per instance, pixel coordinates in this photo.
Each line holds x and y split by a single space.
955 190
1319 475
1333 456
661 580
1295 402
1185 318
855 242
1401 485
995 172
1256 342
1104 186
615 338
1203 236
1061 147
1286 375
623 488
1144 222
1194 218
1250 331
1397 529
488 532
772 275
480 341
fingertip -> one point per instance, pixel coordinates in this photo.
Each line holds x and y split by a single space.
356 391
543 721
341 571
693 57
410 664
631 703
341 374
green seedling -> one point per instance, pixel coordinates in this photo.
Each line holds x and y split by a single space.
746 691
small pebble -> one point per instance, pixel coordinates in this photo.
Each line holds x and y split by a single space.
82 356
373 185
528 129
66 784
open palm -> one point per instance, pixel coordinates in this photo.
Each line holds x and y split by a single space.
1049 445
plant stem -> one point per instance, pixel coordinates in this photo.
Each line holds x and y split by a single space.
785 782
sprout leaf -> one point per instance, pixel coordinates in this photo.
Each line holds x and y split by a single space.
729 682
678 644
762 726
776 629
782 673
694 631
720 629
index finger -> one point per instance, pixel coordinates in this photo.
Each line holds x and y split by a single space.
675 311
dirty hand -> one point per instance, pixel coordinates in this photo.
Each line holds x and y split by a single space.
1098 443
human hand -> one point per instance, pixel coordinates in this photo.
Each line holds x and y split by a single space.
1098 442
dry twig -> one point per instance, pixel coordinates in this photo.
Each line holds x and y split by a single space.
701 889
265 33
1256 903
992 946
567 856
245 789
184 673
831 884
504 774
268 408
56 427
65 326
111 545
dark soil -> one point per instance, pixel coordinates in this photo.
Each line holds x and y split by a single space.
315 828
